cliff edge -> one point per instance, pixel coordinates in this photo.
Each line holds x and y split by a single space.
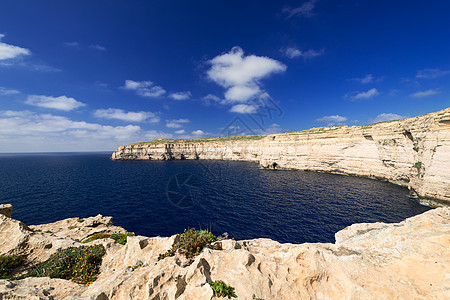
407 260
414 152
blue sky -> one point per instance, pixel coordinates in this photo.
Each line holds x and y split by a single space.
94 75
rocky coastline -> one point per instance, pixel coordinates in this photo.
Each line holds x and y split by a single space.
406 260
414 152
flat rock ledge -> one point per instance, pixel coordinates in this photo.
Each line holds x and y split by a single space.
406 260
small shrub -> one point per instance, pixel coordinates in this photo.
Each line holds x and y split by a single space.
96 236
48 231
190 243
121 238
72 227
256 298
80 220
8 263
418 166
221 289
80 264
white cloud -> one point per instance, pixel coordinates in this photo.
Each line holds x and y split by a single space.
180 95
198 132
182 131
60 103
5 91
369 78
364 95
210 99
97 47
272 129
304 10
332 120
387 117
72 44
144 88
292 52
240 74
431 73
29 131
244 109
241 93
176 123
119 114
424 93
8 51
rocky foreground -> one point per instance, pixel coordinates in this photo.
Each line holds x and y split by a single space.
407 260
414 152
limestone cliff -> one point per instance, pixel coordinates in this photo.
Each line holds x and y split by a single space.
413 151
407 260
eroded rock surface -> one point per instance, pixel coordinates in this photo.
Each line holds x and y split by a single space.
407 260
414 152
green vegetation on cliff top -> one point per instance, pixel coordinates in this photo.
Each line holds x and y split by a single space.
316 130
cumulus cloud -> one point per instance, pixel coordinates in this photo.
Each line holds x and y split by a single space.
332 120
244 109
240 74
431 73
180 95
97 47
198 133
387 117
292 52
144 88
425 93
59 103
119 114
5 91
8 51
304 10
182 131
29 131
176 123
363 95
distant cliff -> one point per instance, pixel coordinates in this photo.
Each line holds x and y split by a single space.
414 152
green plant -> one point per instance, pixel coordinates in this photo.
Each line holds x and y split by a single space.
121 238
256 298
80 220
190 243
48 231
8 263
418 166
80 264
96 236
237 153
72 227
221 289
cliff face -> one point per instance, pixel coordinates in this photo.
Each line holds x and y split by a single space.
414 152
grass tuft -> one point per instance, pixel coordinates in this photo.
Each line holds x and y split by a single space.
221 289
190 243
8 263
96 236
121 238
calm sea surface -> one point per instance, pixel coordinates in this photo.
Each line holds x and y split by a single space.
164 197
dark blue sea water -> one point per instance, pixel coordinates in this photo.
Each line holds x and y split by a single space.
164 197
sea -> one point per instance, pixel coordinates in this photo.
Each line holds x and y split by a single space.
162 198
